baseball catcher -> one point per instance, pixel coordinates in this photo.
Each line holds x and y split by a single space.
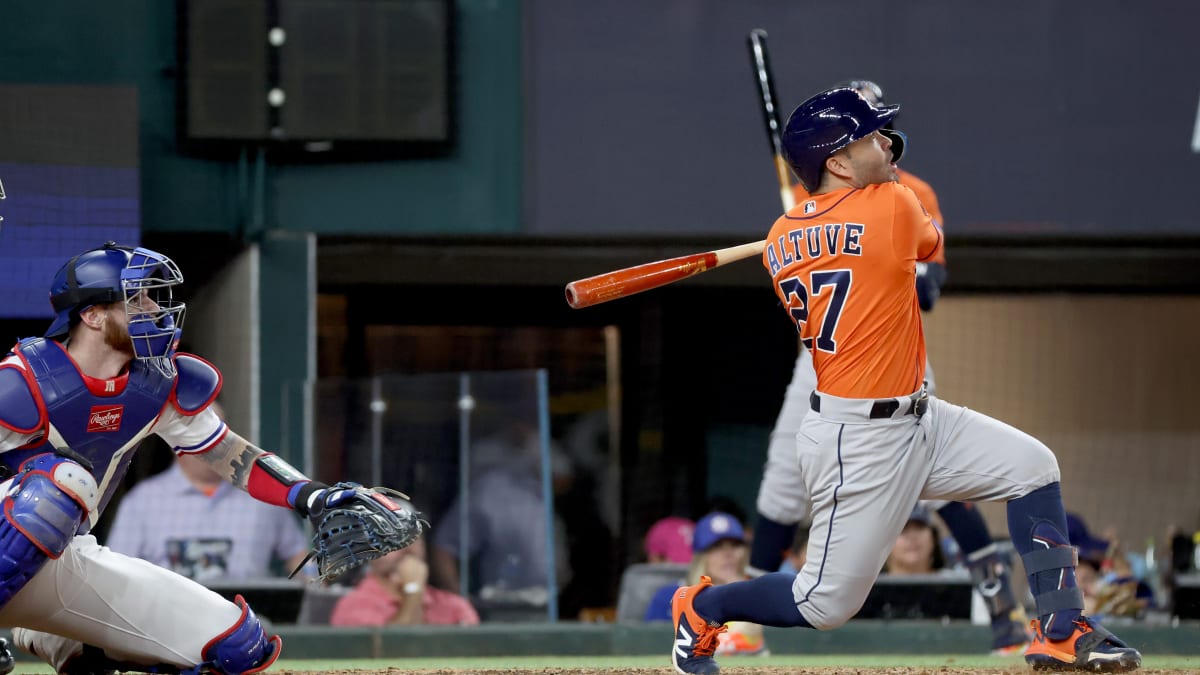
74 405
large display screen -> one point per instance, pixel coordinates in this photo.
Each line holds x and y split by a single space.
69 165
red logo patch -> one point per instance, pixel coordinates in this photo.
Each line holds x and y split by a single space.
105 418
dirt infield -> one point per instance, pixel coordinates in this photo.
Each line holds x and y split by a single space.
777 670
774 670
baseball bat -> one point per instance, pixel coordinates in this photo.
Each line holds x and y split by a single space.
630 280
757 41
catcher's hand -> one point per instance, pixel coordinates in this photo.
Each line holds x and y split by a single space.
354 525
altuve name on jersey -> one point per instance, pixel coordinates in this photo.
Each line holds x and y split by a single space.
814 241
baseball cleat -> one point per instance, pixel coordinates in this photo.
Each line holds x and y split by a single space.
696 638
1089 647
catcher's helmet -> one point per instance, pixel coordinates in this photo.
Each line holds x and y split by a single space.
114 273
828 122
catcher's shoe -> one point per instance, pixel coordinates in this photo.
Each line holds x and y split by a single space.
1089 647
696 638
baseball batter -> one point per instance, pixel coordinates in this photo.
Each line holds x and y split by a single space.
74 404
783 501
843 264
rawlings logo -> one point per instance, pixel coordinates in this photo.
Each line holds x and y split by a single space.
105 418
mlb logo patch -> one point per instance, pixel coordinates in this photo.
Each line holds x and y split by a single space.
810 206
105 418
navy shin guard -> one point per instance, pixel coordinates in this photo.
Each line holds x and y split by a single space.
1038 525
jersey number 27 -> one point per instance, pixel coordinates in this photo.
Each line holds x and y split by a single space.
797 294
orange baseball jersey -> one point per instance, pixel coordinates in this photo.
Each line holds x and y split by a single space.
922 189
844 265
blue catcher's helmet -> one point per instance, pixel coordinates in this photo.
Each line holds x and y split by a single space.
828 122
114 273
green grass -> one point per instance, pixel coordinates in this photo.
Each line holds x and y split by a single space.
1191 663
795 660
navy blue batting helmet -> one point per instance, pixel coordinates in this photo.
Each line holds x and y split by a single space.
828 122
114 273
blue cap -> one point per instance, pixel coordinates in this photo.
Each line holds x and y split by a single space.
1089 547
921 515
716 526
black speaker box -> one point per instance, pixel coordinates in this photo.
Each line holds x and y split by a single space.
317 79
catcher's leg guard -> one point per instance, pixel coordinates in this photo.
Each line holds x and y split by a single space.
45 505
241 650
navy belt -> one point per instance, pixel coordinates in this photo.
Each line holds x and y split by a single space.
884 408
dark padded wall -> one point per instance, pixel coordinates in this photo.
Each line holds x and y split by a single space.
1064 116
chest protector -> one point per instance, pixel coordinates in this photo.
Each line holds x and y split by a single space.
102 428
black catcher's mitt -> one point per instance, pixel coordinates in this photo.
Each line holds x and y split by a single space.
354 525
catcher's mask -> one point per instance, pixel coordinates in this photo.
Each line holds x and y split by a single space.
133 276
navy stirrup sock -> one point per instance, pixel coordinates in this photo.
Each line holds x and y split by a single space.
967 526
1038 525
771 540
766 600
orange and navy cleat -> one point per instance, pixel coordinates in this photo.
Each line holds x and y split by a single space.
1089 647
696 638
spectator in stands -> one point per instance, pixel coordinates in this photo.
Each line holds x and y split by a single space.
1093 549
1109 584
794 559
191 521
719 551
918 548
670 540
505 510
395 591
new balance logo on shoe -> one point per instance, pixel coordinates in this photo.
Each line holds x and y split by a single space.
684 642
696 639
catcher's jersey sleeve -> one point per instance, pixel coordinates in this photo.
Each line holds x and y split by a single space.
843 264
190 433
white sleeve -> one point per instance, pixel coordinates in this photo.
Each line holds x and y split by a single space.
190 433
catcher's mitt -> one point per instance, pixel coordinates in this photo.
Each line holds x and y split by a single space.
354 525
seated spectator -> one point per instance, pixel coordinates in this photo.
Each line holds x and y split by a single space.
1110 585
191 521
719 551
794 559
670 540
918 548
505 512
395 591
1090 548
